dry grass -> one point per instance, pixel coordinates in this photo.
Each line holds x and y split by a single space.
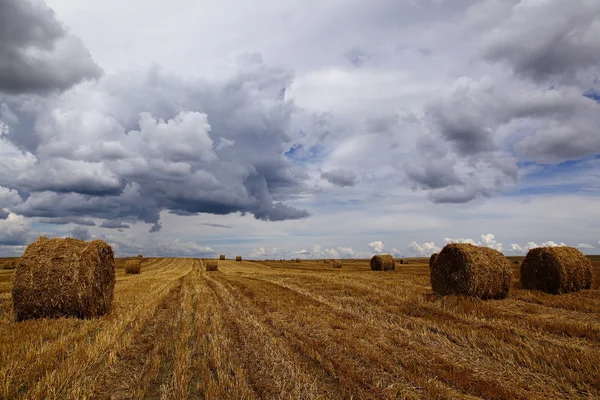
337 264
275 330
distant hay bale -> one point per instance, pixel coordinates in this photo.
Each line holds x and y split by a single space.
515 262
556 270
212 265
222 257
326 261
11 264
133 266
140 256
297 260
64 277
383 262
468 270
238 258
432 259
337 263
401 261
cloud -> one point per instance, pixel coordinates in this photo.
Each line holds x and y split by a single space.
177 248
425 249
146 143
80 232
585 246
549 39
9 197
215 225
376 246
340 177
487 240
65 221
38 54
113 224
532 245
4 214
15 231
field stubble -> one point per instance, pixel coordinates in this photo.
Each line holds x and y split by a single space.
276 330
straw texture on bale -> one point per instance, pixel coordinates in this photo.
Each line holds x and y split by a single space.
238 258
64 277
468 270
432 259
222 257
133 266
337 263
383 262
212 265
556 270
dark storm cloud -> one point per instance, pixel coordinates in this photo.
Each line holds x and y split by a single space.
79 232
4 214
114 225
37 54
65 221
551 39
215 225
157 143
340 177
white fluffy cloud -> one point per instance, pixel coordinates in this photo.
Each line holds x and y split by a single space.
376 246
532 245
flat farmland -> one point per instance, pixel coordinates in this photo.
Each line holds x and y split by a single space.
287 330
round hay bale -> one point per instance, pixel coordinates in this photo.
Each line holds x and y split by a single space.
468 270
222 257
63 278
212 265
432 259
556 270
140 256
238 258
401 261
133 266
383 262
297 260
326 261
11 264
337 263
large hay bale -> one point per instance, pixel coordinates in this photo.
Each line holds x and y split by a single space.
222 257
238 258
468 270
383 262
432 259
337 263
133 266
297 260
556 270
64 277
212 265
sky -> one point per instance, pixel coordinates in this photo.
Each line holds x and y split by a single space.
302 128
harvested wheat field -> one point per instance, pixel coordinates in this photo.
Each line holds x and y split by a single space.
275 330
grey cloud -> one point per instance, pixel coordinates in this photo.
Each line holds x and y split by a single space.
156 227
214 225
432 173
37 54
79 232
113 225
340 177
138 153
4 214
547 40
15 231
69 220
